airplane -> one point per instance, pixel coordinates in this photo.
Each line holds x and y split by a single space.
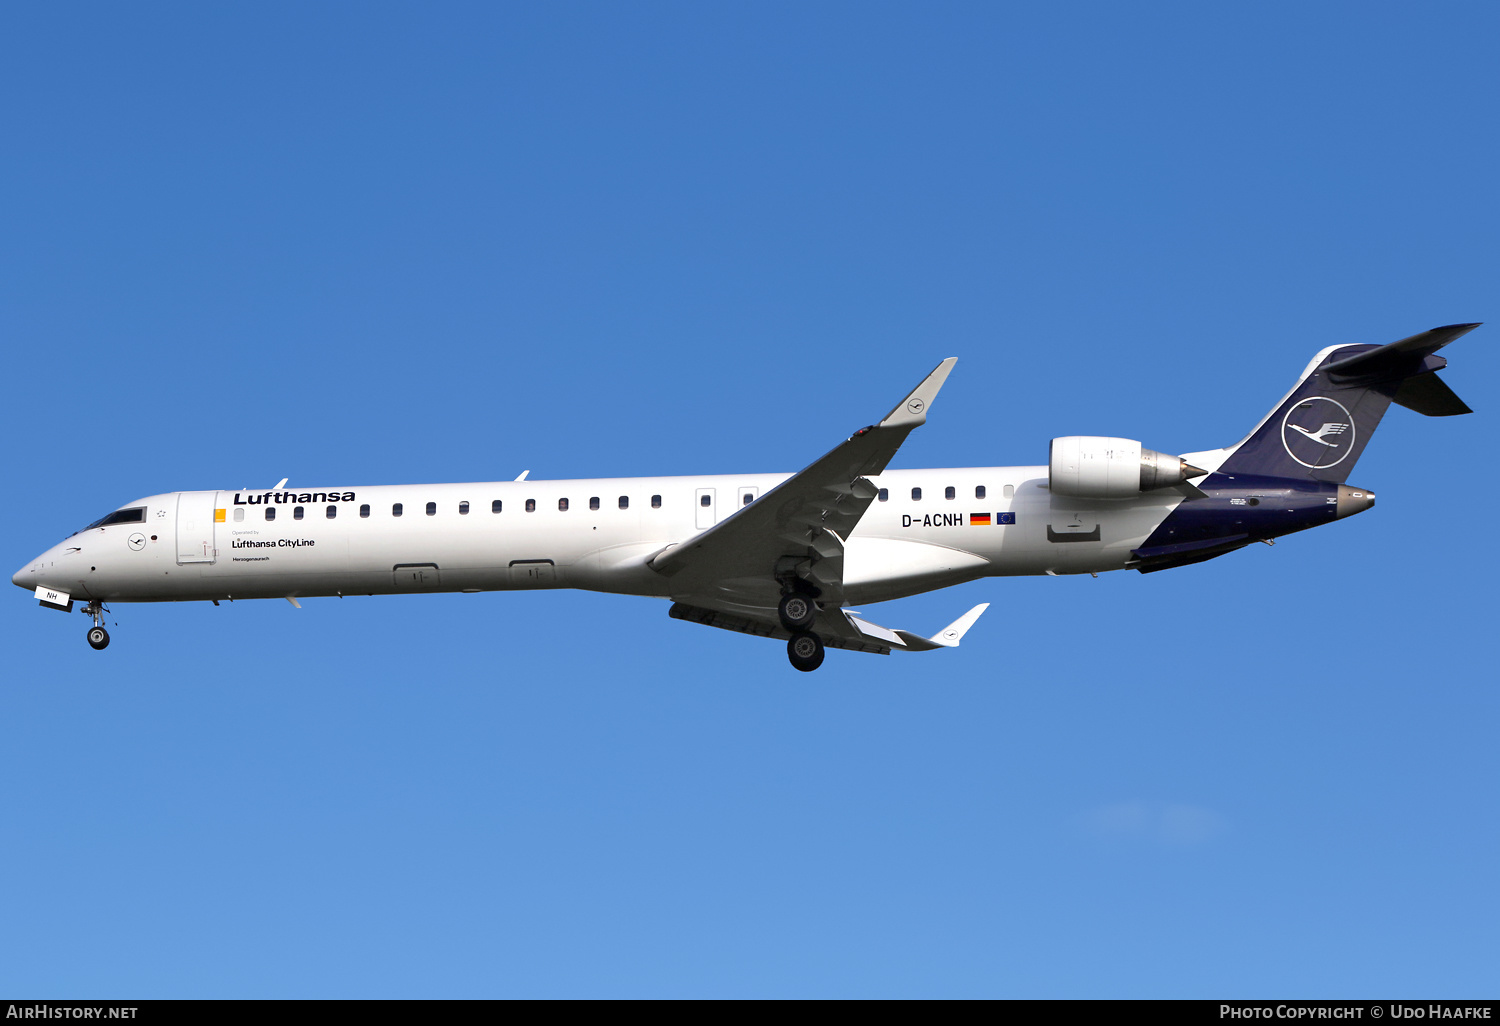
782 556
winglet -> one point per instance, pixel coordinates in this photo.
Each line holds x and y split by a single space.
912 411
949 636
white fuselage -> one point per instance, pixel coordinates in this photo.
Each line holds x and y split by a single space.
516 535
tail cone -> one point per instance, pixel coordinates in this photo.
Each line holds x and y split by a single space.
1353 500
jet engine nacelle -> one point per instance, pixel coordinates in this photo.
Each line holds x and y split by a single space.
1094 467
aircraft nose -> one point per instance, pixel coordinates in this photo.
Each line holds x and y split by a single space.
22 578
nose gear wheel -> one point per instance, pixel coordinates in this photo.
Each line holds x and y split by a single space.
98 636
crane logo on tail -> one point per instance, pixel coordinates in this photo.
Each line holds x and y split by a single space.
1326 429
1318 432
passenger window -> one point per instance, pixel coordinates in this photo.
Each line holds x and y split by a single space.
395 509
950 492
624 502
562 505
331 512
1009 490
655 501
748 499
463 509
364 511
297 513
531 505
916 495
495 506
979 491
270 512
884 495
431 508
593 502
239 515
705 500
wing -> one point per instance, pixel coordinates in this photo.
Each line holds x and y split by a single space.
837 629
797 529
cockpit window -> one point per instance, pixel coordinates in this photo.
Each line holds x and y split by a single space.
120 516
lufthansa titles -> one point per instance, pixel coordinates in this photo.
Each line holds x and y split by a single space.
265 498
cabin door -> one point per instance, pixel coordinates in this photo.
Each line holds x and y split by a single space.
197 513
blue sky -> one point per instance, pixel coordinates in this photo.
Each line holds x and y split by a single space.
365 244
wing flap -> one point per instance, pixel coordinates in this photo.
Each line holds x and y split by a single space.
873 630
852 641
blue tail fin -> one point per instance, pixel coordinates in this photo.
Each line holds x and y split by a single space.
1321 427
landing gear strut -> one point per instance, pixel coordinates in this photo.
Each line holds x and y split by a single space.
98 636
805 650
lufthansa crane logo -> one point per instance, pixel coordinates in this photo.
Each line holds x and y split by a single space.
1318 432
915 405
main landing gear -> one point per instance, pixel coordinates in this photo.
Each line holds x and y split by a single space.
98 636
797 610
805 650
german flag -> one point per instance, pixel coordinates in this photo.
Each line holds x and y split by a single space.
979 520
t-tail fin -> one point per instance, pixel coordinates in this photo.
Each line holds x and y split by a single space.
1321 427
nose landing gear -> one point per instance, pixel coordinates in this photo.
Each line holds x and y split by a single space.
98 636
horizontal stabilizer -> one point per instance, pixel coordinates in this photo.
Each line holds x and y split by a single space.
1429 394
1396 357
